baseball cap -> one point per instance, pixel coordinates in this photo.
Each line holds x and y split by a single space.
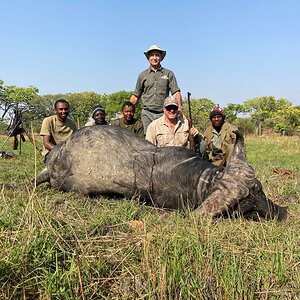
171 101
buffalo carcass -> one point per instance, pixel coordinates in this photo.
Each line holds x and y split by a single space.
109 160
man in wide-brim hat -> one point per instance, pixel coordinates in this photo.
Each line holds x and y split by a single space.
154 85
155 48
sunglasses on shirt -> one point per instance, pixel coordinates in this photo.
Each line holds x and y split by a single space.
171 107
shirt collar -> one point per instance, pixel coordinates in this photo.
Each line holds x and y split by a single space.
159 69
179 121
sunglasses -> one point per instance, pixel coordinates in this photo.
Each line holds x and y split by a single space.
171 107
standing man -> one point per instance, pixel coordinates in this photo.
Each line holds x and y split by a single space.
219 138
128 121
57 128
154 85
171 129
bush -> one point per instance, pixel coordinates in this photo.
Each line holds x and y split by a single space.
245 125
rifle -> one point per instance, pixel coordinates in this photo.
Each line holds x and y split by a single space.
194 141
190 121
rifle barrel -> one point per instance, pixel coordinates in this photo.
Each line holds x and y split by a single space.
190 121
189 103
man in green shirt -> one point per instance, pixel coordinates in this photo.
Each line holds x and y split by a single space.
128 121
154 85
57 128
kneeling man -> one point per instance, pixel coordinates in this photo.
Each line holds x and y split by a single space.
172 129
57 128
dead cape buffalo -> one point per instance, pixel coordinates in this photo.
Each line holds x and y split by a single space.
109 160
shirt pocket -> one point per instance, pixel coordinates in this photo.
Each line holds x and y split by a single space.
163 83
164 139
182 138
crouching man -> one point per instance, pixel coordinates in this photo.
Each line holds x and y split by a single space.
57 128
172 129
219 138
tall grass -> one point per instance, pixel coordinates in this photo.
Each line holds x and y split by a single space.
66 246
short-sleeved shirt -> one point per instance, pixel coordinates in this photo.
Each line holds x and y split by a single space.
57 130
153 87
160 134
135 125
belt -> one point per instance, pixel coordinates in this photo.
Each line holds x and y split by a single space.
153 111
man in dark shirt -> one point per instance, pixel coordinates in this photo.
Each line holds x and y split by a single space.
98 117
128 121
154 85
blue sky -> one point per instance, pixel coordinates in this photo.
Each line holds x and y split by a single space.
227 51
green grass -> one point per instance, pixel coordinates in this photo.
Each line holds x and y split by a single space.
66 246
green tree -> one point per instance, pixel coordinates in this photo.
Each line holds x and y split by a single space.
81 105
200 109
18 99
12 97
287 120
261 110
114 103
233 110
245 125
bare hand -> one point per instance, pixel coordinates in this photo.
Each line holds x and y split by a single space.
194 131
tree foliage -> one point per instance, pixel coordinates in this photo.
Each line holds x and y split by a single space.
82 104
261 113
262 109
245 125
287 120
233 110
114 103
15 100
200 109
12 97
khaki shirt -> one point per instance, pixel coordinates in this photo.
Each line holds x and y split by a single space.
160 134
135 126
223 141
57 130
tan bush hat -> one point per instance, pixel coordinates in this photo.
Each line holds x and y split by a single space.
156 48
170 101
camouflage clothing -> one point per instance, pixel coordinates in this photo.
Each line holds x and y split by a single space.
219 145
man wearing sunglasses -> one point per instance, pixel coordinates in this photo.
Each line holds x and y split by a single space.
172 128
